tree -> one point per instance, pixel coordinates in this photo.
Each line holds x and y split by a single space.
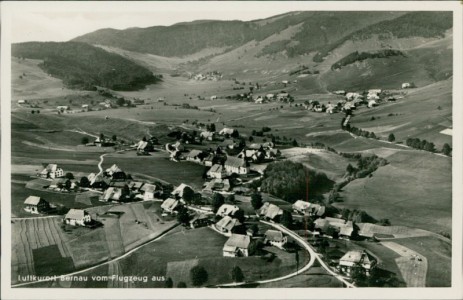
101 137
125 191
429 147
237 274
350 169
169 283
251 139
296 257
256 201
198 276
188 194
294 143
286 219
255 229
114 137
217 201
183 217
120 101
239 215
69 175
68 184
212 127
181 284
391 137
447 150
85 140
84 182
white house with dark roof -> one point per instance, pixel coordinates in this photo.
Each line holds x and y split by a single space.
275 238
51 171
307 208
344 228
194 156
113 169
357 259
76 217
227 225
35 205
149 191
236 165
178 192
238 245
226 130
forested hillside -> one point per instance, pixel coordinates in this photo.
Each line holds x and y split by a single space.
83 66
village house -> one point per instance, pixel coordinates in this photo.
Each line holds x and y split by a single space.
62 108
226 131
282 96
22 101
76 217
307 208
112 194
272 154
85 107
353 96
216 184
227 210
208 161
116 173
340 92
372 103
199 221
227 225
275 238
236 165
216 171
51 171
98 181
407 85
252 155
170 205
357 259
149 191
344 229
58 184
270 96
214 97
36 205
238 245
208 135
195 156
270 211
228 144
144 147
178 192
135 186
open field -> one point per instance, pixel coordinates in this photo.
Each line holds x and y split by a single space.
158 166
438 253
82 247
413 266
426 206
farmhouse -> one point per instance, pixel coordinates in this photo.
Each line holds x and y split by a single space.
236 165
227 224
216 171
252 155
275 238
226 130
357 259
308 208
238 245
22 101
353 96
217 185
270 96
340 92
259 100
149 191
407 85
195 156
62 108
331 108
199 221
35 205
98 181
272 154
51 171
372 103
229 143
112 194
143 147
135 185
270 211
208 161
77 217
112 170
343 228
178 192
214 97
170 205
208 135
227 210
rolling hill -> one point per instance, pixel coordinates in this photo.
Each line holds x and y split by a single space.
84 66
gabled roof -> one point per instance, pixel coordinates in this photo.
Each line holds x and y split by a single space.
235 162
142 145
32 200
136 185
227 209
179 190
274 235
76 214
216 168
114 169
270 210
148 188
169 204
194 153
228 223
227 131
238 241
357 257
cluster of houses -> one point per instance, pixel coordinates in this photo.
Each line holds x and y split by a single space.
213 76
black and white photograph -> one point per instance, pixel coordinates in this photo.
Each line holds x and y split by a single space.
292 149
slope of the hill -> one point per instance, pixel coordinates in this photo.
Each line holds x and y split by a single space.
320 28
84 66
